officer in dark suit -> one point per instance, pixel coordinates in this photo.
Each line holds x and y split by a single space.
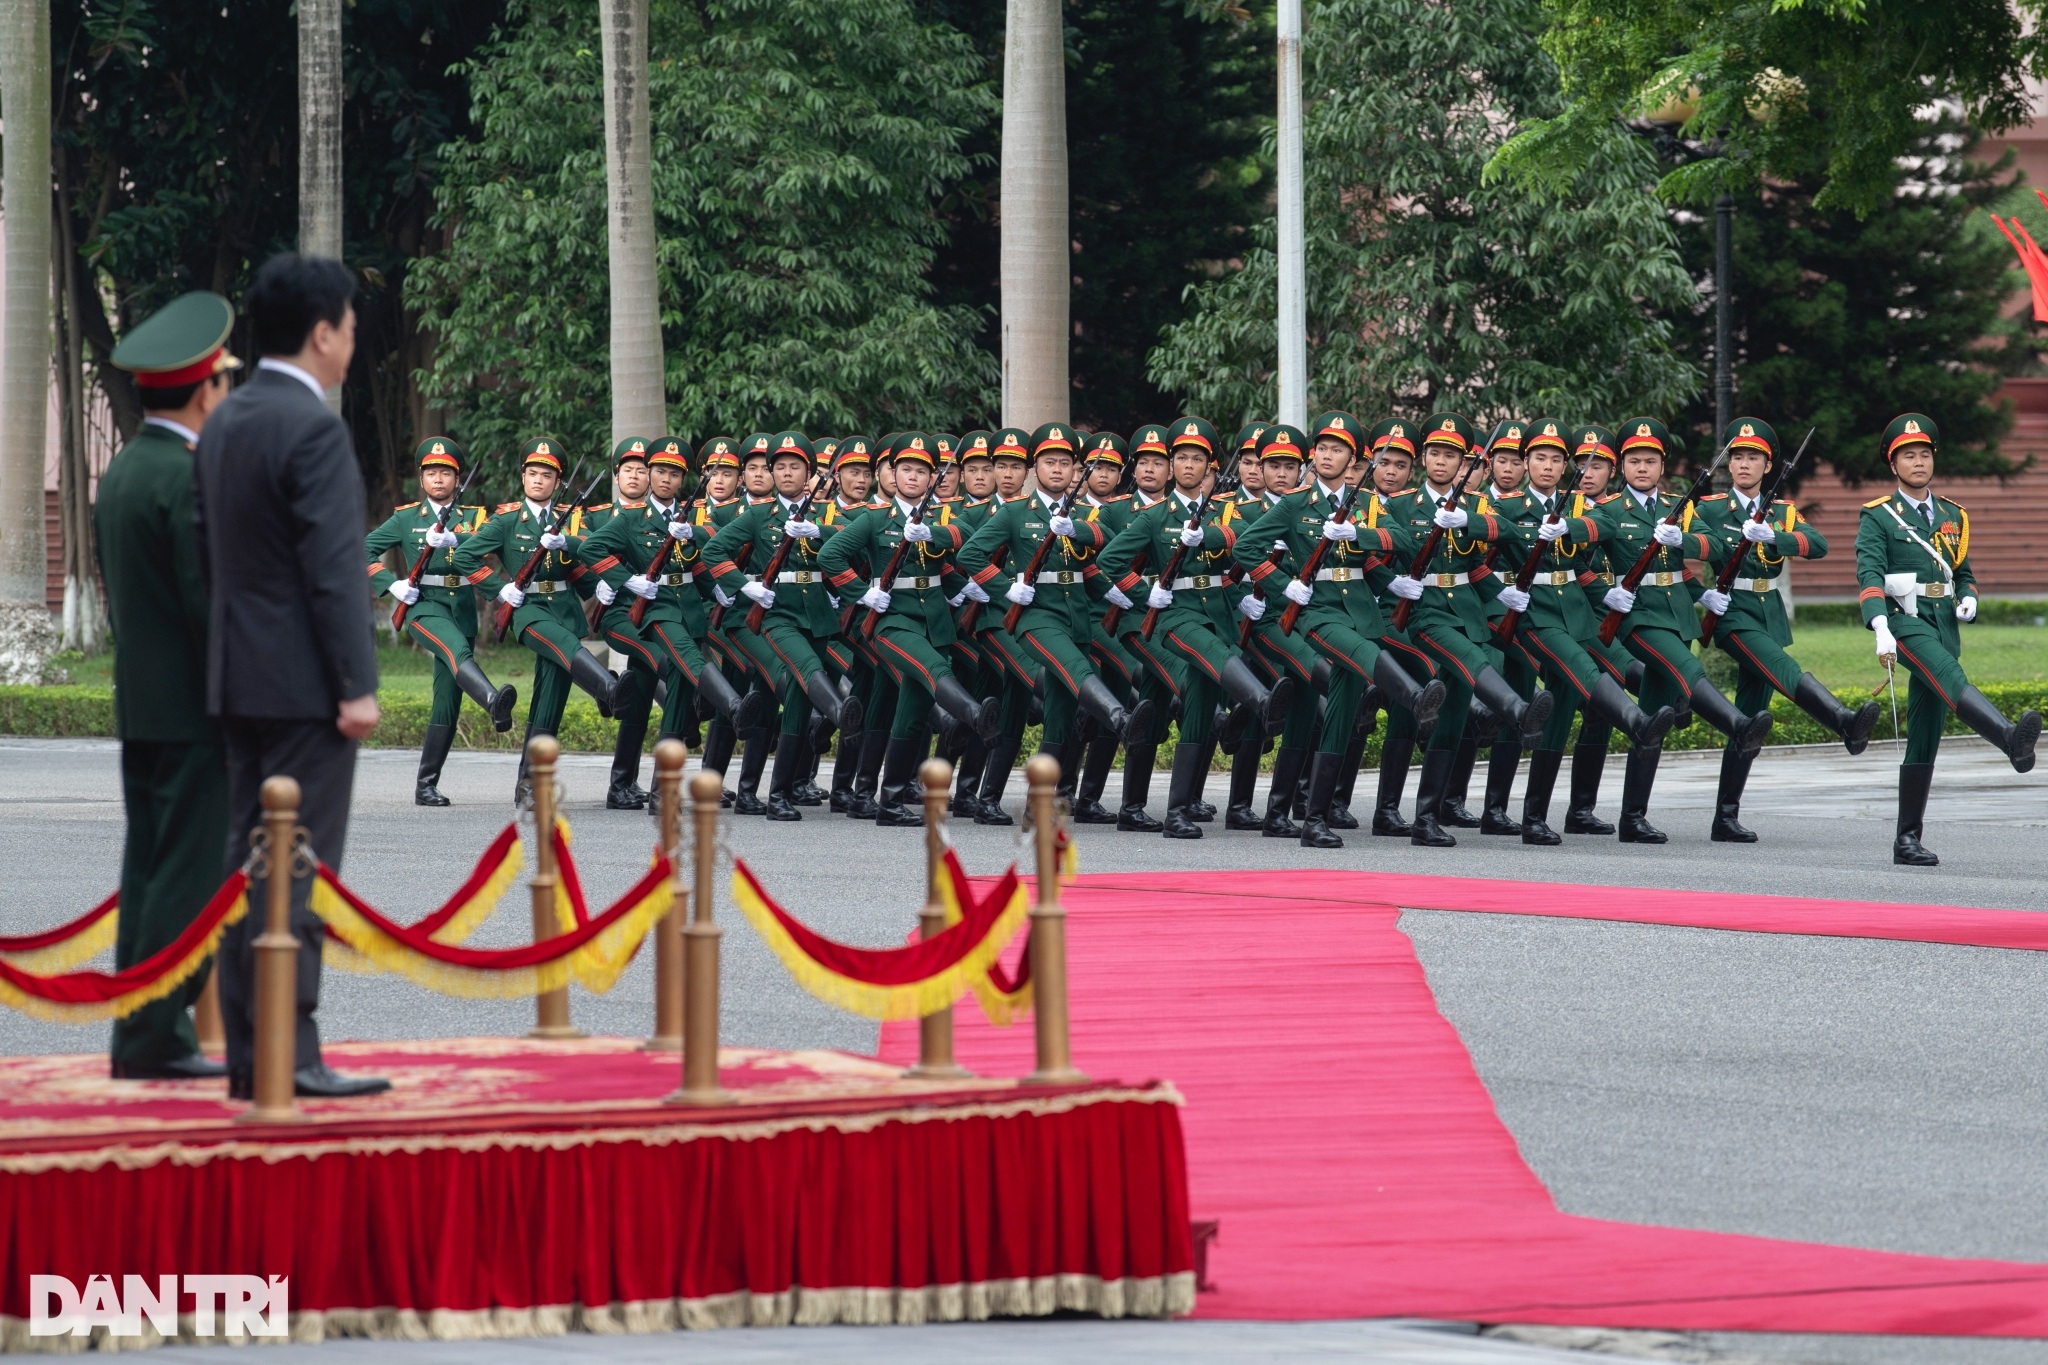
174 776
291 664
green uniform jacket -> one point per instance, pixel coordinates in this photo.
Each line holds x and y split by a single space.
1344 598
854 557
628 540
1753 600
156 597
513 534
1458 552
1005 544
441 582
1557 594
802 598
1668 589
1884 548
1148 541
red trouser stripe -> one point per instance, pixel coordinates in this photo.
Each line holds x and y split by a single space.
534 638
675 655
1453 660
1331 652
629 645
419 629
1054 664
1585 693
1194 656
1736 640
1926 676
1669 667
884 642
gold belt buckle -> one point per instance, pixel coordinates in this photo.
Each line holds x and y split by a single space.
1340 575
1446 580
1202 581
1066 576
920 582
804 577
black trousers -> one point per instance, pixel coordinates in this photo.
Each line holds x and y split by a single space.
176 796
324 763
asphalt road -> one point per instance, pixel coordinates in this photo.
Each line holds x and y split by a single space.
1877 1094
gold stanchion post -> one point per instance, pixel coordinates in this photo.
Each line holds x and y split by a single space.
206 1015
551 1008
277 964
935 1030
669 755
700 957
1048 933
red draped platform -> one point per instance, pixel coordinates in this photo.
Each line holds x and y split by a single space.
511 1187
1341 1137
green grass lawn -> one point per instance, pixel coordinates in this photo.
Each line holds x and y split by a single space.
1842 657
400 668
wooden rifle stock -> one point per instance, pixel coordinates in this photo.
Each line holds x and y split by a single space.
1198 515
1730 570
501 620
668 543
419 563
1065 509
1314 563
873 619
775 561
1406 606
1504 629
1610 626
1244 624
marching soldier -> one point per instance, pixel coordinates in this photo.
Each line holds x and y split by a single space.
1594 451
440 609
1753 629
546 615
1393 475
977 484
1507 466
174 775
1913 569
1010 458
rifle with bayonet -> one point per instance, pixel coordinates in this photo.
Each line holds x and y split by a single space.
668 543
1504 629
501 620
1314 563
1612 624
776 560
419 563
1198 516
895 565
1765 497
1406 605
1064 508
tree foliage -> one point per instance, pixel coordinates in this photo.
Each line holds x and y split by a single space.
1822 90
1427 286
800 147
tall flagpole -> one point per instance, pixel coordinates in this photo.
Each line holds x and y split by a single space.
1292 247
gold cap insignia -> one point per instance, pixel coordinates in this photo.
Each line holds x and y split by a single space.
1912 425
1448 425
541 448
439 449
1550 428
1642 428
1748 430
1398 430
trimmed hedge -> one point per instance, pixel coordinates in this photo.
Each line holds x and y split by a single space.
1991 611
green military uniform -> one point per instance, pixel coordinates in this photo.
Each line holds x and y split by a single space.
441 617
1754 630
1594 444
857 774
174 778
1916 589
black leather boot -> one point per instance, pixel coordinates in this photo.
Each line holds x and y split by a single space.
983 714
1589 761
1516 716
1500 783
1854 727
1322 785
1746 733
1452 811
824 694
1728 827
965 805
741 711
593 677
1100 705
1395 757
1915 779
804 791
1095 761
622 792
844 764
782 779
2013 738
1644 730
1132 817
1244 781
746 796
1543 766
900 803
1638 777
1268 706
1187 759
1200 811
434 746
1424 701
873 746
1340 816
1288 766
1426 829
995 775
719 740
496 701
522 787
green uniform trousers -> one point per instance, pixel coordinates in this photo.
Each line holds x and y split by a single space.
176 796
800 654
659 647
554 644
915 668
1067 666
1352 657
1290 656
1762 666
1570 672
1937 680
1202 653
1670 669
435 629
1458 662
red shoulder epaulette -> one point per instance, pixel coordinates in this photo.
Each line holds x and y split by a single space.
1715 497
405 507
505 507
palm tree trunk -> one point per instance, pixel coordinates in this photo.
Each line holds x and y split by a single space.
639 406
320 134
25 342
1036 246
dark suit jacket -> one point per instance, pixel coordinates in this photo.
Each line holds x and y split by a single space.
281 516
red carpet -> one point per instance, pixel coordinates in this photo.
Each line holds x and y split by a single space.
1336 1127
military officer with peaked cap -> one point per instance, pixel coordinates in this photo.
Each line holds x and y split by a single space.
174 777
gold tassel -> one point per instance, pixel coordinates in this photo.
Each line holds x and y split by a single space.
54 959
999 1008
460 925
67 1013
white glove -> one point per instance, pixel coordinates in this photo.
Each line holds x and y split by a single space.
874 599
957 598
800 530
1966 610
1887 648
442 539
760 592
974 592
1159 599
1514 599
724 597
1620 599
1298 592
1020 594
1759 532
681 530
1252 605
1450 518
1340 530
1191 536
512 595
605 593
1553 530
1404 586
1667 534
642 586
1061 526
916 532
553 540
1116 599
406 591
1715 601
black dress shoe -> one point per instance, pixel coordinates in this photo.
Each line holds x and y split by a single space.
807 794
1136 820
319 1082
1242 818
241 1083
1454 814
841 801
622 798
193 1068
992 813
782 808
1087 811
1340 817
743 804
1201 812
427 794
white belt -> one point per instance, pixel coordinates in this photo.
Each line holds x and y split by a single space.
1059 576
1198 582
441 580
1900 586
1756 584
1446 580
1556 578
1348 575
677 580
800 576
1663 578
915 582
544 586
